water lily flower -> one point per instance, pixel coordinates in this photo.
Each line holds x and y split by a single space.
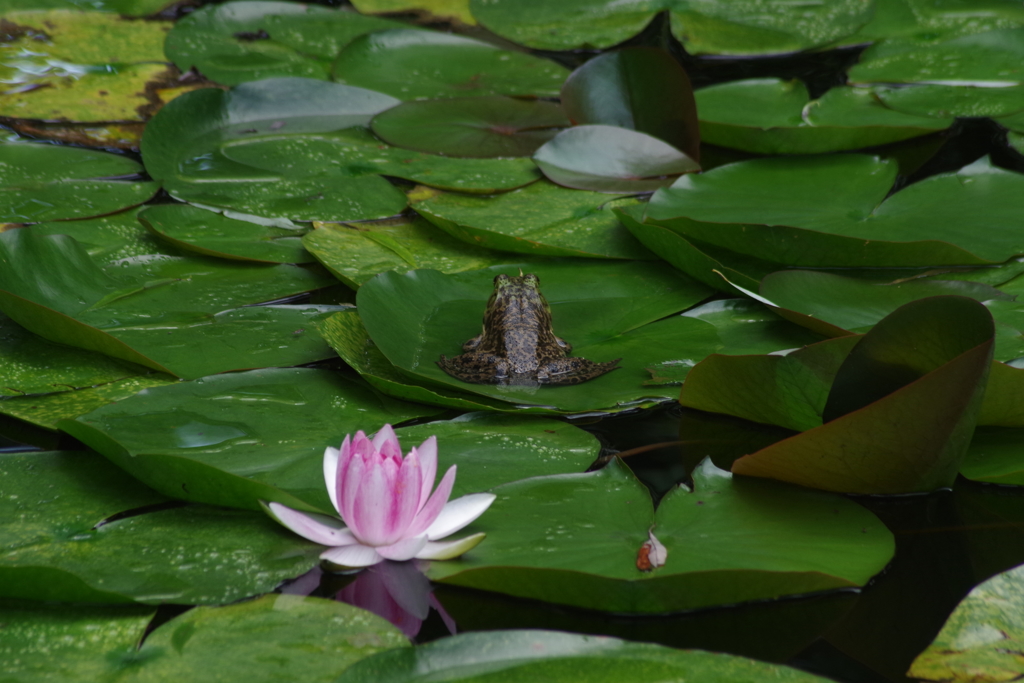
386 507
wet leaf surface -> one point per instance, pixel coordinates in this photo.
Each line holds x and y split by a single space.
496 126
982 640
773 116
516 656
541 219
583 533
393 62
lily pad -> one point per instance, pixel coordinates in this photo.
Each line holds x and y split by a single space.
411 64
70 65
356 252
235 42
605 310
55 548
47 183
67 643
995 456
611 159
769 208
30 364
542 219
143 319
520 656
639 88
773 116
273 637
978 74
455 11
901 409
212 234
703 262
496 126
574 540
347 335
982 640
47 410
234 439
744 27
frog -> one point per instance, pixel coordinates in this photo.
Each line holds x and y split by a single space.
517 345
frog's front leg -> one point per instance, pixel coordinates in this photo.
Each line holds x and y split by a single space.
562 344
573 370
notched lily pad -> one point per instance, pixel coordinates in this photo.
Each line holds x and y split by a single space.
575 539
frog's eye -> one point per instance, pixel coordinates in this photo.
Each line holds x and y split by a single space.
500 279
532 280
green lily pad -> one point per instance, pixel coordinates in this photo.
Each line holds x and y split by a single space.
55 548
356 252
639 88
274 637
770 209
355 152
483 127
213 120
521 656
67 643
453 11
47 183
982 640
744 326
63 64
773 116
412 64
132 8
856 304
973 75
995 456
611 159
605 310
542 219
347 335
705 263
744 27
901 409
234 439
30 364
1002 406
47 410
235 42
206 232
574 540
140 318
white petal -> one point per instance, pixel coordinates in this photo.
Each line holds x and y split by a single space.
657 553
427 453
446 550
405 549
458 513
435 504
317 528
331 475
352 556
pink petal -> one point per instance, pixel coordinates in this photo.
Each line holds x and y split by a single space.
447 550
352 556
429 512
311 526
369 509
427 453
350 480
387 443
458 513
406 500
331 456
405 549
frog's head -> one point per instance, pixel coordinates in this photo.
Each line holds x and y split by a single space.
511 283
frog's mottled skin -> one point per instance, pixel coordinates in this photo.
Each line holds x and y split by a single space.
517 345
